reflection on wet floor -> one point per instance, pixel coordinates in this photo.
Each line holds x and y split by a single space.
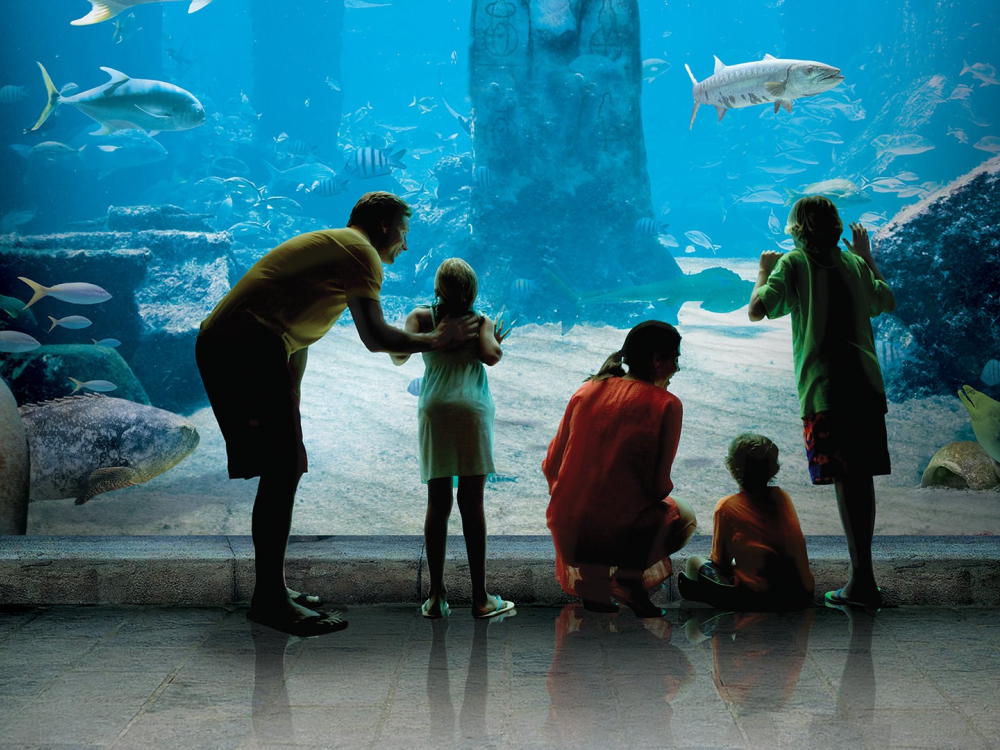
149 677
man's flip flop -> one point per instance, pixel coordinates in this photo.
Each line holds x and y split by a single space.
308 627
837 599
502 607
425 610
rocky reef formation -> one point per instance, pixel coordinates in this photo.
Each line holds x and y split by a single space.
962 465
559 172
942 258
165 273
44 373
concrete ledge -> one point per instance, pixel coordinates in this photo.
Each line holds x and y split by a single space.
218 570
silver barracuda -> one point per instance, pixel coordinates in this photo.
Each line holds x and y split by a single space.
125 103
769 80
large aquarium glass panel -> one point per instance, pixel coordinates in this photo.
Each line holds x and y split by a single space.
597 162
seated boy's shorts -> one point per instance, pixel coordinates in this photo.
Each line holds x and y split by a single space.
254 395
840 445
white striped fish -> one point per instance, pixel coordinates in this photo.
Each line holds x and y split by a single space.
991 373
768 80
369 161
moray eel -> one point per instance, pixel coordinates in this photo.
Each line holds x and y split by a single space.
985 413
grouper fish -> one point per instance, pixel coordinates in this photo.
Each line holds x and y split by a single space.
769 80
125 103
81 446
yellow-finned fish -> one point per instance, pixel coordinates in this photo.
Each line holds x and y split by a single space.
125 103
102 10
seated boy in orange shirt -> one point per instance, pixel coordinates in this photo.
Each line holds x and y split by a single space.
759 557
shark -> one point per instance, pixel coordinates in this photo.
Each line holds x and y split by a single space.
768 80
718 289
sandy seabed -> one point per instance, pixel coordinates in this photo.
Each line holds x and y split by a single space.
360 428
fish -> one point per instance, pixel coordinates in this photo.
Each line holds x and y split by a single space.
10 94
328 186
414 387
13 342
985 414
103 10
292 146
249 228
959 134
991 372
101 386
122 149
983 71
483 177
73 322
653 68
13 219
424 103
774 223
125 28
523 288
109 343
787 244
718 289
650 227
702 239
498 478
913 191
47 153
129 103
669 240
762 196
14 307
769 80
872 220
783 169
364 4
465 122
892 354
961 91
282 203
843 192
907 176
368 162
884 184
82 446
901 145
230 165
242 187
301 175
75 292
825 136
989 143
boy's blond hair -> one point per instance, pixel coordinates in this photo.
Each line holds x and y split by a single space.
455 285
814 223
752 460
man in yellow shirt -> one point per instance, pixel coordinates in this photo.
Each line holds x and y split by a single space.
252 351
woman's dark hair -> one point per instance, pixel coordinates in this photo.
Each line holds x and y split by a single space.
814 223
752 460
642 342
374 208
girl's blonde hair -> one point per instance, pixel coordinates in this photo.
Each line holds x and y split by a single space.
456 286
752 460
814 223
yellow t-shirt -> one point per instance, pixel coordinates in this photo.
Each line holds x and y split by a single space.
301 287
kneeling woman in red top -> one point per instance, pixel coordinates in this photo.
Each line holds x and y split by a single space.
612 521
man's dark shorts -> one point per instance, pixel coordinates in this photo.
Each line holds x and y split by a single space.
253 392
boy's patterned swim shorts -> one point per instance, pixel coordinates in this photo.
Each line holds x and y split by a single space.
840 445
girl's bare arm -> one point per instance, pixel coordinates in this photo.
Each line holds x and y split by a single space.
413 324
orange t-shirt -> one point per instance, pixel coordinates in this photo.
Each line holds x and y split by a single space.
758 542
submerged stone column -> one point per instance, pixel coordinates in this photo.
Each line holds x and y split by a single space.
560 161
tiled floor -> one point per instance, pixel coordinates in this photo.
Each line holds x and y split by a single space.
150 677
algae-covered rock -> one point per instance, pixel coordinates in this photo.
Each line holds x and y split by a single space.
14 466
962 465
44 373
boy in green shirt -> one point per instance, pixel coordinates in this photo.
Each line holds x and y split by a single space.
831 296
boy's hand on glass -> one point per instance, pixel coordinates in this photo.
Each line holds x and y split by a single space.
861 246
768 260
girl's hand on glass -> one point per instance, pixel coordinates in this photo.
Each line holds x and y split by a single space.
499 333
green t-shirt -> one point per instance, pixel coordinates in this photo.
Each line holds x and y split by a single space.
301 287
831 300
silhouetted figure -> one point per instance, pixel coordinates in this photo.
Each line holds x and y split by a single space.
613 522
455 426
759 559
831 295
252 351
